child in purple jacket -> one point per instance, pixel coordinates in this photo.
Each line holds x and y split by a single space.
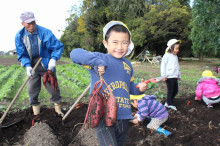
208 89
149 107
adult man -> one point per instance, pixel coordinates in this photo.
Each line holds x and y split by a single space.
32 42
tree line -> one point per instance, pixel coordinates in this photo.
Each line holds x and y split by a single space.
151 22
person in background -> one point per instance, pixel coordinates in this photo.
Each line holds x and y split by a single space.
33 42
149 107
118 74
208 89
170 68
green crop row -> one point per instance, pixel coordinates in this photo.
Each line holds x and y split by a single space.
72 80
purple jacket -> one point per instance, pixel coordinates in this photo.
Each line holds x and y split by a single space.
148 106
208 87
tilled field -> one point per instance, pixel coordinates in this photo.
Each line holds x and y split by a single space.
192 124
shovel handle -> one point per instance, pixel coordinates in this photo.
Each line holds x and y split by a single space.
19 91
146 82
75 103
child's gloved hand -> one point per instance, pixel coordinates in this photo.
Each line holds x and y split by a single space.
142 86
101 70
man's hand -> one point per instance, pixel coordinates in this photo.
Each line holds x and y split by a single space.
101 70
29 69
52 64
142 86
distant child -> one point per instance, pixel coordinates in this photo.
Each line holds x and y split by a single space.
149 107
208 89
118 73
170 68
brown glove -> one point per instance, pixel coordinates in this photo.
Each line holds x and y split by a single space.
50 78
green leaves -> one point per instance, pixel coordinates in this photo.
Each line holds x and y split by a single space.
205 26
152 24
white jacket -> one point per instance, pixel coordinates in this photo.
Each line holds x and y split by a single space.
170 66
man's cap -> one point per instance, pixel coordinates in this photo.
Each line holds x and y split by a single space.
27 17
207 73
171 42
112 23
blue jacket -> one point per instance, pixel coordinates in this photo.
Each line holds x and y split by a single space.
49 46
118 75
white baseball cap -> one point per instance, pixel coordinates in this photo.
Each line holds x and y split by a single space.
27 17
112 23
171 42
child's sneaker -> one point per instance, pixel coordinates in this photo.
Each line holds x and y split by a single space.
209 106
170 106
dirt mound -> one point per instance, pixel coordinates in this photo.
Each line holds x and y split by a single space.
192 124
40 134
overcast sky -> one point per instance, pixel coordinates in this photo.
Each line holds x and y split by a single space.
49 13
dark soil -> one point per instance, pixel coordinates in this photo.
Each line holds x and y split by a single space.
192 124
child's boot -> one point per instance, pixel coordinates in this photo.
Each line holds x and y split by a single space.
36 110
58 109
163 131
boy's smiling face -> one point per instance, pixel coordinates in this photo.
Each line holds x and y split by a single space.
117 44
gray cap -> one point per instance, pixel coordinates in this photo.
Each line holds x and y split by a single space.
27 17
112 23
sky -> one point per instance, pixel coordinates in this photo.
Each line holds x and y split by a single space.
48 13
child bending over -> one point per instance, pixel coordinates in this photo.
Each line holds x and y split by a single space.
208 89
149 107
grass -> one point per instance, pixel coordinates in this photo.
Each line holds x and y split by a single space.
191 71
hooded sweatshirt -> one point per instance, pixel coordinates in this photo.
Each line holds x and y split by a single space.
148 106
170 66
208 87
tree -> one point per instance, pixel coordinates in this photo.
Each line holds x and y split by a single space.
151 22
205 34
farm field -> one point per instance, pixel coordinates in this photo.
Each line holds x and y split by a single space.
192 124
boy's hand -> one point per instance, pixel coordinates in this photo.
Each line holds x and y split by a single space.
135 121
101 70
142 86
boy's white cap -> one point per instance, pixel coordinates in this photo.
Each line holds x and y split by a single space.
112 23
171 42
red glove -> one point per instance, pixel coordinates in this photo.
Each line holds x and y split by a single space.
50 78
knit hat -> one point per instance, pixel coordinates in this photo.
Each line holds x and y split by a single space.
112 23
207 73
170 43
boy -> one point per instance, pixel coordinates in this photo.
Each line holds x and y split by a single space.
118 73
